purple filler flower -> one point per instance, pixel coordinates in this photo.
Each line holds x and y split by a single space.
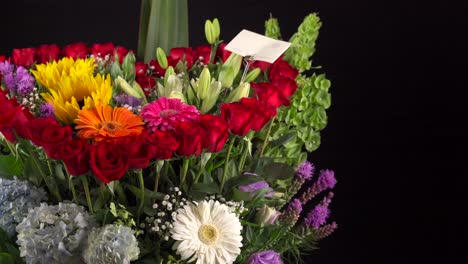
318 216
265 257
125 99
47 110
24 81
305 170
253 187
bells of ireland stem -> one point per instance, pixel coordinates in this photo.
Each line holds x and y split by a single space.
161 57
212 31
128 67
266 215
240 92
229 70
212 98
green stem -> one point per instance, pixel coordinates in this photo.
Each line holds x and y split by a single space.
50 184
184 171
244 156
120 193
199 173
226 162
84 180
214 48
267 137
71 185
156 180
142 195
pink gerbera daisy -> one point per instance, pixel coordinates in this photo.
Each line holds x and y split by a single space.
164 112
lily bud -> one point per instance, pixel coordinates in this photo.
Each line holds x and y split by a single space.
252 75
127 88
216 28
203 84
212 98
169 72
172 89
140 91
209 32
115 69
161 57
128 67
240 92
266 215
230 69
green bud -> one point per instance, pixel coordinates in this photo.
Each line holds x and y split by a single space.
266 215
216 28
128 67
203 84
230 69
170 71
209 32
162 59
126 87
252 75
178 95
240 92
210 101
140 91
173 84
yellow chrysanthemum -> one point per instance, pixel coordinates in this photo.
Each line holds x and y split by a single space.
72 86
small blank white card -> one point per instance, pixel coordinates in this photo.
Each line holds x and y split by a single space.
248 43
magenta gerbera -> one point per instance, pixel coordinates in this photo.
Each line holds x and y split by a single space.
164 112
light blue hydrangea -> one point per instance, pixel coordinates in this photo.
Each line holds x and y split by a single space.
54 234
16 197
111 244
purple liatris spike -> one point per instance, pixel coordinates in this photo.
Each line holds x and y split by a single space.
326 231
318 216
292 212
6 68
305 170
24 81
326 180
10 82
47 110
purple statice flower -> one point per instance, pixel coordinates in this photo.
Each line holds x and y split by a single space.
265 257
125 99
253 187
317 216
305 171
326 180
292 212
47 110
24 81
326 231
10 82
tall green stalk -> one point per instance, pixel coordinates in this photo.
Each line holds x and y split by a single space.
163 23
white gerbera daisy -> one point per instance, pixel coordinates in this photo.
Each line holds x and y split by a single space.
207 232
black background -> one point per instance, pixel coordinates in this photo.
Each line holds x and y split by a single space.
396 135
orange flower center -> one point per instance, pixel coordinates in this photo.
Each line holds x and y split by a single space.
109 126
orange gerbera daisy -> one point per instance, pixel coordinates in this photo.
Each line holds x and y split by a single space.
107 123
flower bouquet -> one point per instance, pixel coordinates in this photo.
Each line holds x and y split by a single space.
199 155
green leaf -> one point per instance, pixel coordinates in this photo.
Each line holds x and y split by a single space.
206 188
6 258
10 166
277 170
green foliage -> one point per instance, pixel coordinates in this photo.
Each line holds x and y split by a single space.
10 166
272 28
303 43
9 253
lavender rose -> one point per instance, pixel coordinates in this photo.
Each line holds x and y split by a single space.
265 257
253 187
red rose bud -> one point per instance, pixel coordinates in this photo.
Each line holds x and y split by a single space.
184 54
203 54
47 53
75 155
108 161
216 132
164 143
13 118
24 57
239 118
77 50
101 50
121 52
48 133
280 68
262 113
190 136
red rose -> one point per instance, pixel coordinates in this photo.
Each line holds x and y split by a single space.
216 132
47 53
246 115
203 54
287 86
281 68
177 54
48 133
263 65
156 69
139 153
164 143
141 68
190 137
76 50
275 93
147 83
2 58
13 118
24 57
101 50
75 155
221 52
121 52
108 161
